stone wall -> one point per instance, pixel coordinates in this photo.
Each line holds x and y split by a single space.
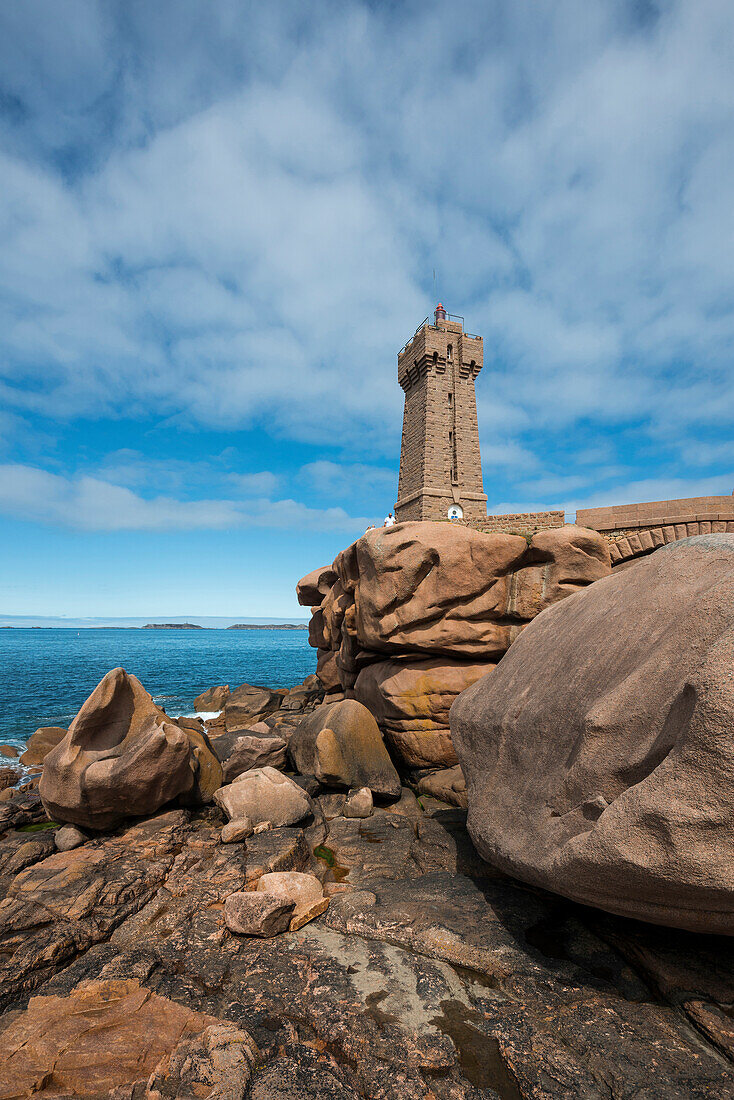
657 513
636 529
630 529
520 522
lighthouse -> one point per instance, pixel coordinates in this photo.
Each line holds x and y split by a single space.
440 463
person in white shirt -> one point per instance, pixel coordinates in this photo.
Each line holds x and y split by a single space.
389 520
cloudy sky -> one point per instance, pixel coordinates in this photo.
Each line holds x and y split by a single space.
220 220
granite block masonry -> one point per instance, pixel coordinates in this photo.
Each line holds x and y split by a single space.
440 463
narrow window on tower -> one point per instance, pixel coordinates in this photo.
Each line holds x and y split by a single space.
451 398
449 353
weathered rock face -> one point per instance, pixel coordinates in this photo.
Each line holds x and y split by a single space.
444 601
122 757
430 975
340 743
434 588
115 1034
411 700
431 588
598 756
9 777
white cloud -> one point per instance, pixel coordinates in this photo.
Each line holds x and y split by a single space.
507 454
91 504
134 469
351 480
192 231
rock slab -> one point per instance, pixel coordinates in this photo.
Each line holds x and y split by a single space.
254 913
114 1035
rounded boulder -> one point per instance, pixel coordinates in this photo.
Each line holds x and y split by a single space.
124 757
599 755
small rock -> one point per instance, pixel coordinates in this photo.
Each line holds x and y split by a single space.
9 751
359 803
303 889
237 830
68 837
448 785
9 777
263 827
303 916
251 913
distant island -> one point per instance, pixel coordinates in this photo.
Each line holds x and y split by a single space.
237 626
172 626
268 626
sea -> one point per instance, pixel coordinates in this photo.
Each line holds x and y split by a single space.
46 674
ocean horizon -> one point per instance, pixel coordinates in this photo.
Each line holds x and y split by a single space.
46 674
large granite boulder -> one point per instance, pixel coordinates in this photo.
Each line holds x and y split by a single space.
411 699
241 752
312 588
418 593
433 588
264 794
340 743
599 755
327 671
40 744
123 757
213 699
249 704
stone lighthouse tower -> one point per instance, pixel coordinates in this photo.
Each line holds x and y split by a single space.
440 465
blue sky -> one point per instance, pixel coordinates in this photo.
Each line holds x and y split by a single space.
219 222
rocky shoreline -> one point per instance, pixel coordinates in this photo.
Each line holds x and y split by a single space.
285 901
